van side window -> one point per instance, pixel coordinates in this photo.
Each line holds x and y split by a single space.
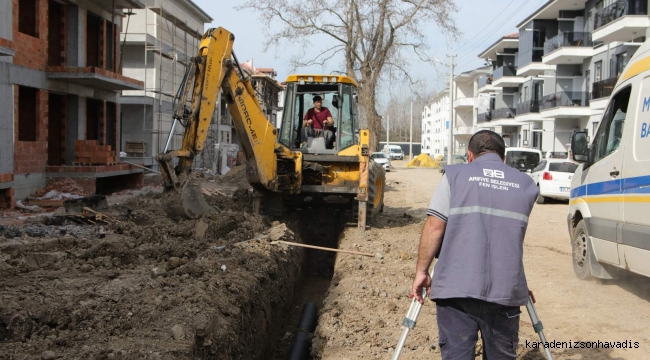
608 137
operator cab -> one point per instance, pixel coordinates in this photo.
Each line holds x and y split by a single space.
339 94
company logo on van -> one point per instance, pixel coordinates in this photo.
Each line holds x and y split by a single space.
645 130
646 104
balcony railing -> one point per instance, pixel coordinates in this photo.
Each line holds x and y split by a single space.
620 9
568 38
483 117
601 89
504 71
504 113
484 80
530 106
565 98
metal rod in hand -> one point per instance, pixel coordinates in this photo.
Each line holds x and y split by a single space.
409 320
537 326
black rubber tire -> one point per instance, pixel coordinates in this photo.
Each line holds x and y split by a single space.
376 190
581 251
540 199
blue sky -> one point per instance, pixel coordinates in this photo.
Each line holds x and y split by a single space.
481 22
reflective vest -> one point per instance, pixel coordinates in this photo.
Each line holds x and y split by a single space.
482 250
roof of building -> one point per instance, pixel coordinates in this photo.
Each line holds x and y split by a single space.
199 10
551 10
505 42
470 74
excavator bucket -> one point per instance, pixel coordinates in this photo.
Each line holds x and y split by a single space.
188 202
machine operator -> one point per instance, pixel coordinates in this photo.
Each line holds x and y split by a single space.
317 122
476 225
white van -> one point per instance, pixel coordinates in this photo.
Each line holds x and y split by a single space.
523 159
394 152
609 208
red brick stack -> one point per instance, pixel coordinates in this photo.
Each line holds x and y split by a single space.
90 152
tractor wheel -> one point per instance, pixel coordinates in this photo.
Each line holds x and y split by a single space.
376 189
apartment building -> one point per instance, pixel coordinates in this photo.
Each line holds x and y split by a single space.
560 73
158 44
435 125
498 91
466 107
59 83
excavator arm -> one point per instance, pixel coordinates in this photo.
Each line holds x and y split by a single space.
216 70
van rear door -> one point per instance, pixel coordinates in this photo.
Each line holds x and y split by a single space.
635 234
604 176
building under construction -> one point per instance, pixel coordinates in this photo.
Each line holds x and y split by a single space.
157 42
60 84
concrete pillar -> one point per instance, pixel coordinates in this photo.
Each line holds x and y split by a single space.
6 124
75 125
75 32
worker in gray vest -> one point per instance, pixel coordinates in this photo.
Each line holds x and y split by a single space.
476 227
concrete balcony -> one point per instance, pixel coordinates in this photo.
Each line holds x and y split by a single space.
603 88
574 104
533 69
464 130
506 76
485 84
464 102
93 77
568 48
621 21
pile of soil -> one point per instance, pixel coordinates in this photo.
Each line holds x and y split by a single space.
236 176
148 287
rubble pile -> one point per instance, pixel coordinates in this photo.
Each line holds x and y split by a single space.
64 186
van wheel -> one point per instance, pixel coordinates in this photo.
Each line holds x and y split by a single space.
540 198
581 251
376 189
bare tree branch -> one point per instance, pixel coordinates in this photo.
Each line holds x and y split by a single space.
376 38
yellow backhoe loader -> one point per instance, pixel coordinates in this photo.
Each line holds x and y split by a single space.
282 167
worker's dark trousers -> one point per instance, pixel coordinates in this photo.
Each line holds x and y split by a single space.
460 320
308 132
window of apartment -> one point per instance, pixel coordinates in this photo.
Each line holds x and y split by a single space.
621 61
525 137
598 71
27 17
27 113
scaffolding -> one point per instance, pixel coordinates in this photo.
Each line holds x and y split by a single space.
169 44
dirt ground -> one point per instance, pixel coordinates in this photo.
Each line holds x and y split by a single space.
368 298
147 287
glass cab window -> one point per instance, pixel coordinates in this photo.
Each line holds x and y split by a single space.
338 99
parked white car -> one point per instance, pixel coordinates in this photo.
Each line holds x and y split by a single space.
381 159
553 177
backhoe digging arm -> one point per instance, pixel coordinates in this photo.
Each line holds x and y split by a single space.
215 71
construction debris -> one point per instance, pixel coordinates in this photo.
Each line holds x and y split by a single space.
62 186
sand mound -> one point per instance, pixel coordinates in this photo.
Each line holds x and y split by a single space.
423 160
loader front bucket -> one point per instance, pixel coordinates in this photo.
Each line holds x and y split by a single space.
187 203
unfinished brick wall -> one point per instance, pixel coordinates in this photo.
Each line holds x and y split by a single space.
30 51
31 156
57 24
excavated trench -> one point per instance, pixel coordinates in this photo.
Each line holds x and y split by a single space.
320 227
144 286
